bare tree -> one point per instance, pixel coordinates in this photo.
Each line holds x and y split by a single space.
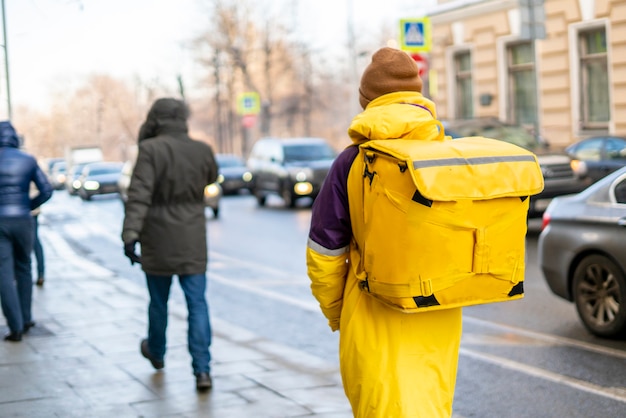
103 112
242 50
258 56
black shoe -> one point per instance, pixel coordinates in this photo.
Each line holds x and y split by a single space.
39 281
203 381
157 364
28 326
14 336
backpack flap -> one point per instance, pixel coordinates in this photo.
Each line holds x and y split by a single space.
482 168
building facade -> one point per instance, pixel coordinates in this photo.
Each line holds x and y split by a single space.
558 66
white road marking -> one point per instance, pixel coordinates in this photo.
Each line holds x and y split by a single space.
63 250
547 338
616 394
308 306
275 273
58 246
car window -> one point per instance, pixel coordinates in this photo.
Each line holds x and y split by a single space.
229 162
78 169
590 150
620 192
517 135
616 148
104 170
308 152
59 168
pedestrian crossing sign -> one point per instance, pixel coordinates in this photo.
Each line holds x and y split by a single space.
415 35
248 103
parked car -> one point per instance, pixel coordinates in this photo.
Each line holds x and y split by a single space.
72 179
582 253
292 168
212 192
601 155
234 176
58 175
49 164
99 179
561 174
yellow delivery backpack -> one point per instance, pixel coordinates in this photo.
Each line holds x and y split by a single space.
445 221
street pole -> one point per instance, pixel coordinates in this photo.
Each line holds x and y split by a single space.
6 60
533 41
354 76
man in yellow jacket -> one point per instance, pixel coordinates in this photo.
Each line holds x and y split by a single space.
393 364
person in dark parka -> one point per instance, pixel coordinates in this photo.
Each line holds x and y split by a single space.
18 170
165 214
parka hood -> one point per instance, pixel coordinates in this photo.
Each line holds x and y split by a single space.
405 114
8 136
166 115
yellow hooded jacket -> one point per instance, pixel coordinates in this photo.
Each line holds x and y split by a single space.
393 364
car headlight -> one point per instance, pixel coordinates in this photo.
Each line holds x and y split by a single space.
303 188
220 178
579 167
76 184
247 176
301 174
91 185
212 190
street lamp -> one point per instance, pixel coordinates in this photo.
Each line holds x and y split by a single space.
6 60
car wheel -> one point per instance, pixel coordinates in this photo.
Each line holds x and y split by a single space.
216 212
260 198
287 196
600 296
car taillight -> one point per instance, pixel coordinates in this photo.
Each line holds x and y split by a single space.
545 220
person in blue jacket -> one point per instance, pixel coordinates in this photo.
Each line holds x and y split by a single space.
17 171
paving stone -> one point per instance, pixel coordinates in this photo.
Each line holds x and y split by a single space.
320 399
288 379
82 359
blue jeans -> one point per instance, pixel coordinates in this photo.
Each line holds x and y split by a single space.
38 249
16 284
199 327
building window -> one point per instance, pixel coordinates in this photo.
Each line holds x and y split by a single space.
463 77
594 79
522 85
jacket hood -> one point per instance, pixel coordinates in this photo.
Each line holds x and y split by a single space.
405 114
8 136
166 115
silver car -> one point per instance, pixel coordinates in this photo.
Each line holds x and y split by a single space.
582 253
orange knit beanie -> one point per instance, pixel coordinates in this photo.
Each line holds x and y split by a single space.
391 70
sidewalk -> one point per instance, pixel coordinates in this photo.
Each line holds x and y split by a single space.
82 358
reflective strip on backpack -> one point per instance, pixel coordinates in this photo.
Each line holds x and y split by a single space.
441 162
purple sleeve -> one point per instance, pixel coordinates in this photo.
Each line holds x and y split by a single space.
330 216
